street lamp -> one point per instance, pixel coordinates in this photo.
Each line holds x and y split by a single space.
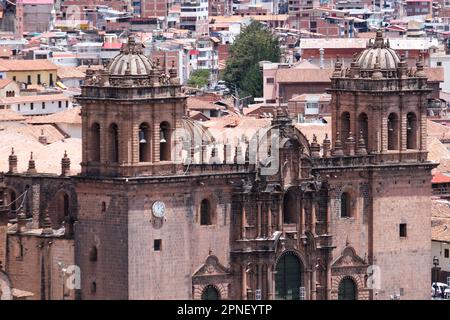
435 263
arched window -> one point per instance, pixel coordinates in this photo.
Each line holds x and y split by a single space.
290 207
95 140
345 205
66 205
411 131
12 200
206 213
144 143
93 287
347 290
164 142
114 143
345 126
59 209
393 132
93 254
363 126
288 277
210 293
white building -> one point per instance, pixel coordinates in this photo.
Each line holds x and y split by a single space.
37 104
194 16
441 59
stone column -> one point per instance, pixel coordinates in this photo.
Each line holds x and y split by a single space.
34 193
269 220
384 132
269 276
280 214
329 284
259 279
313 284
243 282
258 235
303 216
403 131
243 220
313 216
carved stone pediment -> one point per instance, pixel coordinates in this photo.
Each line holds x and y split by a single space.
349 258
211 267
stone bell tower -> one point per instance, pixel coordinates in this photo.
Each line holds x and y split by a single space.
379 98
379 177
130 111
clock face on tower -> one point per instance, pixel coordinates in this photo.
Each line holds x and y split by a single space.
158 209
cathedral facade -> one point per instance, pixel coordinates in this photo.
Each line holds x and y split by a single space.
165 209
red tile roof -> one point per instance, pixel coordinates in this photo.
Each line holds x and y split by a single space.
112 46
27 65
439 177
4 82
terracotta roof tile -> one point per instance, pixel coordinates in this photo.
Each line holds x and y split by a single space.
48 157
67 116
10 115
303 75
70 72
4 82
440 221
27 65
34 98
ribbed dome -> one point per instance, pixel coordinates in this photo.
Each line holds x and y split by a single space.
380 52
131 61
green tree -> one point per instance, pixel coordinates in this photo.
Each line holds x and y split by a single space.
254 44
199 78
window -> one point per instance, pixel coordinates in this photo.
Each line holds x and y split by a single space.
93 287
345 205
402 230
93 254
31 106
67 104
393 132
439 63
270 81
29 79
43 105
114 143
95 139
59 104
411 131
14 78
157 245
446 253
164 142
290 207
206 214
144 143
39 79
51 79
103 206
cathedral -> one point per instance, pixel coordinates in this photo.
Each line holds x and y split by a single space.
166 209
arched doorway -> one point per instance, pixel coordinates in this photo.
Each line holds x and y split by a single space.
210 293
347 289
288 277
